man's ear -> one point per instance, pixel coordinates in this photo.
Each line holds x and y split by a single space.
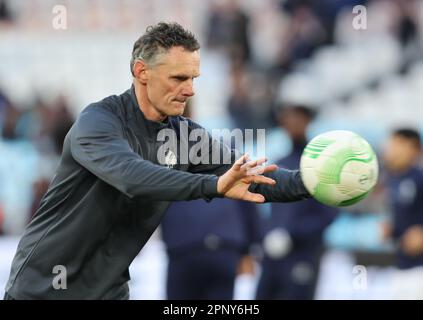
140 71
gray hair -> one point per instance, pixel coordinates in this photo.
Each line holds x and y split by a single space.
159 39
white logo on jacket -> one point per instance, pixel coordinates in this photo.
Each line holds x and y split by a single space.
170 159
407 191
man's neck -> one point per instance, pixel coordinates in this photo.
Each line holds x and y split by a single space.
300 141
150 113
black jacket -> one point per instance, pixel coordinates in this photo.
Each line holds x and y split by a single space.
106 199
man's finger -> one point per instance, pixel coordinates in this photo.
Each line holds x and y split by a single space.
241 161
254 197
252 165
261 161
261 169
247 166
262 180
270 168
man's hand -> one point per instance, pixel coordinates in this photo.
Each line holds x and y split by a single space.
385 230
412 241
235 182
246 265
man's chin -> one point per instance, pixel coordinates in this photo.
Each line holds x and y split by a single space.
178 111
179 114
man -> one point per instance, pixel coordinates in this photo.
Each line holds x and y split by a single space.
112 188
293 241
405 187
207 244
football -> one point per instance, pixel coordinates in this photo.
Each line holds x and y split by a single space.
339 168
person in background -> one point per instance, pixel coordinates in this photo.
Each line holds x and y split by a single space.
227 30
1 220
208 246
405 189
293 233
6 16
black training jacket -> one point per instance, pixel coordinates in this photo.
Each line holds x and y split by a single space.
106 199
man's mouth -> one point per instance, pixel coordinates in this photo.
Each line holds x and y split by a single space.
180 102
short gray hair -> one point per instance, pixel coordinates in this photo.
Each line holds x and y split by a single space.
159 39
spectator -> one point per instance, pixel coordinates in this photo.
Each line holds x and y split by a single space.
1 219
63 121
250 101
293 234
5 14
405 185
9 128
207 243
228 30
305 34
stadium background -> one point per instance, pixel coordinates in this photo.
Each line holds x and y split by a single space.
262 53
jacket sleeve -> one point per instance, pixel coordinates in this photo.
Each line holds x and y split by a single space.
98 144
289 185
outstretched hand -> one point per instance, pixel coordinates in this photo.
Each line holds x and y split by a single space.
235 182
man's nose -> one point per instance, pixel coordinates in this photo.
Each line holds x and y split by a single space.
188 90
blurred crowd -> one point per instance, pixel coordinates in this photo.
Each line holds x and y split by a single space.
265 45
35 130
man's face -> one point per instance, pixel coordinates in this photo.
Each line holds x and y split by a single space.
400 153
170 82
295 123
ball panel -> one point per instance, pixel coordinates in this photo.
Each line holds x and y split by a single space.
311 181
354 200
357 175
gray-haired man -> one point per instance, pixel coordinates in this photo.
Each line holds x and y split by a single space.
111 191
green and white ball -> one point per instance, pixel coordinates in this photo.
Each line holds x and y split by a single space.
339 168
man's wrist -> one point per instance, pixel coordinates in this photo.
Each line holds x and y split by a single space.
210 189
